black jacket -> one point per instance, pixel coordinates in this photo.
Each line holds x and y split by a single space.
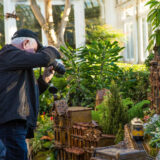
19 92
2 151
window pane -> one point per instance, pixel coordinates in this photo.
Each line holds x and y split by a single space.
70 30
27 19
145 36
2 38
94 12
130 41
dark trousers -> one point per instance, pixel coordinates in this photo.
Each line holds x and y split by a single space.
13 135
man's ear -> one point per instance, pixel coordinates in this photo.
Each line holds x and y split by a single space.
25 44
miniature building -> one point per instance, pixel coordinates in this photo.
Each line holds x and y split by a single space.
113 153
75 134
100 95
155 81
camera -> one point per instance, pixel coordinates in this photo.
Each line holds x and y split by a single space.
58 67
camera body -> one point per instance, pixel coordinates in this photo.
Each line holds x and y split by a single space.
58 67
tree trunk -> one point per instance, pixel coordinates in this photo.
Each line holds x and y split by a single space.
50 33
47 23
49 20
64 21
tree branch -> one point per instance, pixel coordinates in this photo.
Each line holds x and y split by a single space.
50 33
64 20
36 10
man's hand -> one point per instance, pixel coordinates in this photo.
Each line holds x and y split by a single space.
48 74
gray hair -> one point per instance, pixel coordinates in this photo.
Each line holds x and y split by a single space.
19 40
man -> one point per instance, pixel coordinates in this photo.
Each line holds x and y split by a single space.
2 151
19 91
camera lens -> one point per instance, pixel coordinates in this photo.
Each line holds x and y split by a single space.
58 67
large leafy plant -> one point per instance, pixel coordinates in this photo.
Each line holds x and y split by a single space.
89 69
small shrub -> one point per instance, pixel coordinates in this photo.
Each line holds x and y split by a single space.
111 114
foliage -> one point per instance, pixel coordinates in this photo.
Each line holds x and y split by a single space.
101 114
92 68
154 19
137 110
148 60
148 113
152 129
120 134
133 81
134 67
46 99
43 137
111 114
103 32
117 113
128 103
44 155
46 102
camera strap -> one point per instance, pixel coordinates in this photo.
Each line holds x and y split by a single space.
40 71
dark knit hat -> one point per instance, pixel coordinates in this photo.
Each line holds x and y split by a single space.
27 33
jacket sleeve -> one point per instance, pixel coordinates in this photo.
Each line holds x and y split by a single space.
42 85
19 59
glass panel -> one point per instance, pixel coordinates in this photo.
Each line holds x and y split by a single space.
120 1
69 36
27 19
145 37
2 37
130 41
94 12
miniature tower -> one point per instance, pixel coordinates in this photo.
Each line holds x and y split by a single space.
155 81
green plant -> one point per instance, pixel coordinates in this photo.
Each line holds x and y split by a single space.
111 114
104 32
154 19
46 99
117 112
148 60
133 81
120 134
43 137
92 68
152 129
137 110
